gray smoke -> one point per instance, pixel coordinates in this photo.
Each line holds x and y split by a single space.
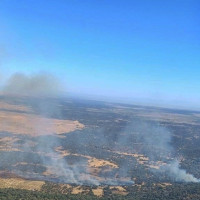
41 84
42 91
154 140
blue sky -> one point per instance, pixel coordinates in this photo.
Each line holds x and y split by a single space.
136 51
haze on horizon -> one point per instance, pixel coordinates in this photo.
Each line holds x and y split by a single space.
144 51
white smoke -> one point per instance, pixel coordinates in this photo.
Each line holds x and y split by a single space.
178 174
156 141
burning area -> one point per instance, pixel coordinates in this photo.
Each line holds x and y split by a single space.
46 137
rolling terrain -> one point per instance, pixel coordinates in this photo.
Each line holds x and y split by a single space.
75 148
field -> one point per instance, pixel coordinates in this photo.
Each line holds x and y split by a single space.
97 149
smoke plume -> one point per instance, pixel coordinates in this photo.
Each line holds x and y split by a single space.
42 91
33 85
178 174
156 141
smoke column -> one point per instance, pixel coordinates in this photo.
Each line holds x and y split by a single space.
154 138
34 85
38 89
156 144
178 174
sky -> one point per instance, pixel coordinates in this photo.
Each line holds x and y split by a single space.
137 51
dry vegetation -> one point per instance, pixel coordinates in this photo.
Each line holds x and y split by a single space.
6 144
98 191
32 124
12 107
79 190
18 183
143 160
166 117
118 190
161 116
23 122
92 161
